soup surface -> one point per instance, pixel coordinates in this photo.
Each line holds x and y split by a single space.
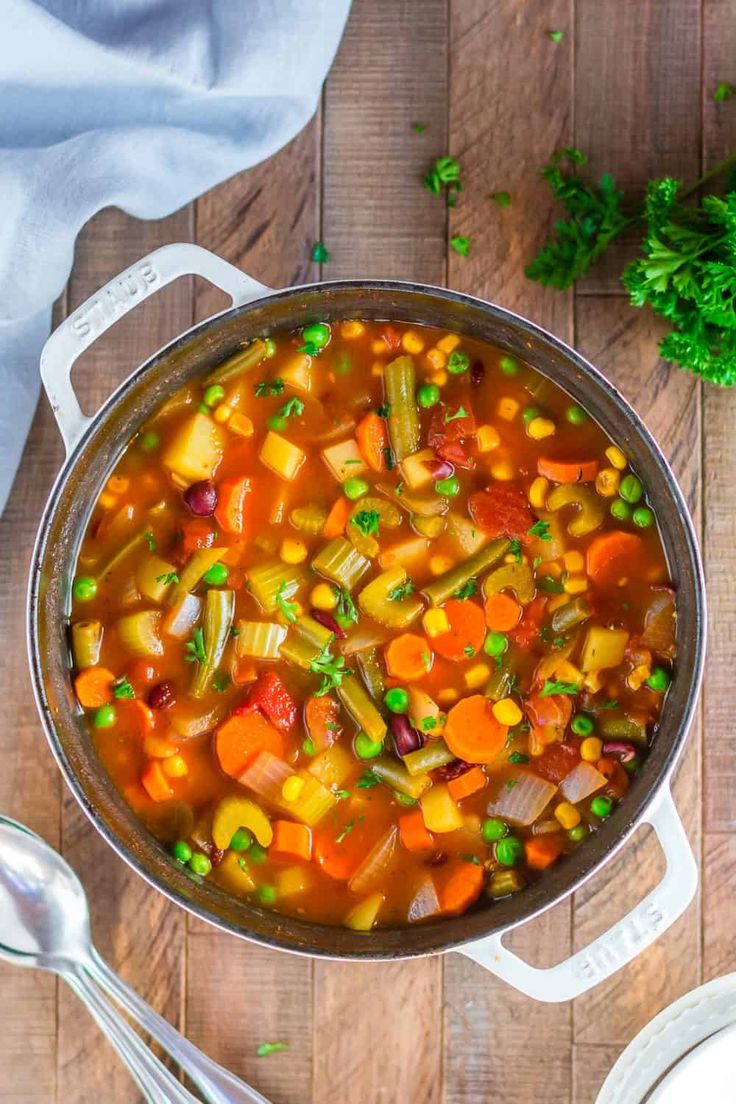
371 624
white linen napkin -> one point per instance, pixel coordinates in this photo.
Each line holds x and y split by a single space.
138 104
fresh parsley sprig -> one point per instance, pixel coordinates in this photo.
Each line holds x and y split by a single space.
331 668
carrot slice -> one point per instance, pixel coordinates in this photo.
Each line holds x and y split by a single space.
240 738
502 612
460 887
195 534
291 840
337 519
413 832
137 714
466 633
93 687
244 671
610 556
567 471
466 784
231 499
541 851
340 854
372 437
155 782
472 732
321 718
408 657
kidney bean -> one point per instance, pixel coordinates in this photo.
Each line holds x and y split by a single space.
452 770
439 469
214 854
406 738
328 621
620 750
201 498
439 858
162 696
477 373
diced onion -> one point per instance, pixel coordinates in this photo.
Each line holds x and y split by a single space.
376 863
180 620
425 902
581 782
266 776
523 802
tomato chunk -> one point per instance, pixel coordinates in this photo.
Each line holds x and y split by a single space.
502 510
271 697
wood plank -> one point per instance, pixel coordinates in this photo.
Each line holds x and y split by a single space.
501 136
376 1027
136 929
623 343
637 88
266 221
591 1063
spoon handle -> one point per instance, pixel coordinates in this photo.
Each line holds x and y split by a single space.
217 1085
156 1083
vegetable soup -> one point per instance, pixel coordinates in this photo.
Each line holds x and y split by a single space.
371 624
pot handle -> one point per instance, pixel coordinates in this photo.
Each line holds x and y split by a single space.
623 941
84 325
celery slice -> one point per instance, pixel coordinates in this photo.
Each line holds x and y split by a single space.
86 643
260 639
341 563
375 601
274 580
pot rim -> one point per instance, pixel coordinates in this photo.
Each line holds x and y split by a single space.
436 936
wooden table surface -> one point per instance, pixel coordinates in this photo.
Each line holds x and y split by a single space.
630 83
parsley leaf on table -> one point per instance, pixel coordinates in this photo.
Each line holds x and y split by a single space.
320 253
461 244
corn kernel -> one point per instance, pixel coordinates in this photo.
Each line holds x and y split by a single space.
538 492
107 500
503 471
439 378
507 408
323 597
379 347
615 457
412 342
576 584
293 551
377 368
292 787
488 438
607 481
638 676
507 712
477 676
435 622
118 484
591 749
293 880
448 343
568 672
436 358
567 815
440 563
574 560
447 696
175 767
472 823
240 424
351 330
539 428
556 601
222 413
158 747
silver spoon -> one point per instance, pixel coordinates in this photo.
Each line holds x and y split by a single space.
44 922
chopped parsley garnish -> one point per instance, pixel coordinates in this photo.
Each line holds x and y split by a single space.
123 689
469 651
428 723
320 253
195 648
501 198
220 682
265 1049
332 726
461 244
383 410
309 348
167 578
331 668
518 757
723 91
515 549
293 406
341 795
282 601
552 586
469 858
540 529
148 538
556 36
346 831
346 605
511 783
461 412
308 746
404 799
467 590
368 780
234 632
389 457
558 642
266 388
553 686
419 128
403 590
367 521
611 703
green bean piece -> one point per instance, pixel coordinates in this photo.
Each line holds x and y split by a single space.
219 607
398 778
499 684
86 643
372 672
403 421
354 697
445 586
612 727
504 882
434 754
571 615
241 362
193 571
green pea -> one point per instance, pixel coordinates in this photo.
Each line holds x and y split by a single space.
458 363
202 409
317 334
578 833
631 766
396 699
84 588
659 680
216 575
270 347
257 854
620 510
508 365
643 517
308 746
576 415
181 851
601 806
428 395
241 841
495 644
494 829
105 716
529 413
213 395
199 864
582 725
365 748
277 422
355 488
509 850
267 894
631 489
149 441
449 487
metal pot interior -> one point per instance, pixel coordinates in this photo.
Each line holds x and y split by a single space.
87 469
